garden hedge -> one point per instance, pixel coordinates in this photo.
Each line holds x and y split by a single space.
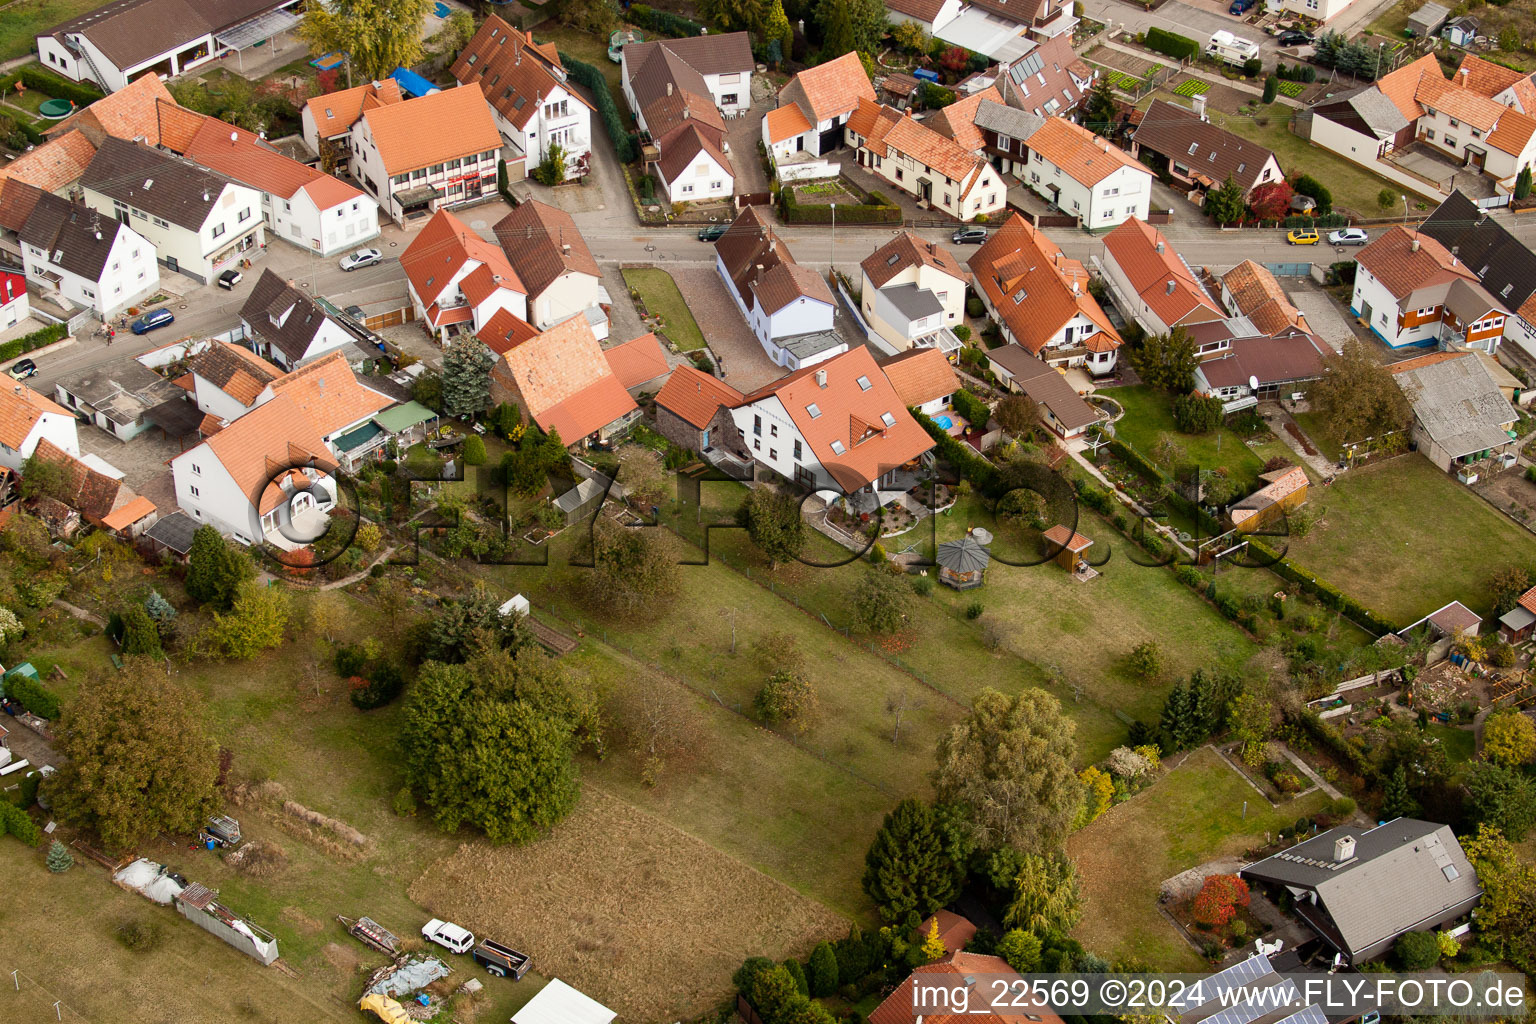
43 80
19 823
1174 45
877 211
1138 462
29 342
1325 592
33 696
981 473
618 132
664 22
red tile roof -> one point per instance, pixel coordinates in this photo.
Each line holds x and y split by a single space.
785 123
950 972
1159 276
335 113
1259 297
273 436
786 283
130 113
1405 261
432 129
443 246
920 375
514 75
954 931
20 409
958 120
244 157
565 381
678 153
851 415
1030 284
908 250
1072 541
504 331
696 396
540 243
329 393
829 89
637 361
53 165
1082 155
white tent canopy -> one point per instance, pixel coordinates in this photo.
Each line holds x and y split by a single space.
559 1003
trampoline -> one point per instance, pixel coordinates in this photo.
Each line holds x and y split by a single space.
325 62
55 109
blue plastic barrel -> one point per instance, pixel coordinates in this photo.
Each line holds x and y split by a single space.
211 844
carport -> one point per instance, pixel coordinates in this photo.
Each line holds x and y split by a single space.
256 32
177 418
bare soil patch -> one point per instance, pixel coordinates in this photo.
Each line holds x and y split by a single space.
643 917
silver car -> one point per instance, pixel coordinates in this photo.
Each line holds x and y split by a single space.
1348 236
361 258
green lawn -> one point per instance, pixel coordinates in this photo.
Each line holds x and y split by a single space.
1192 815
1405 539
1353 187
586 47
660 295
1149 415
21 22
1460 745
1311 424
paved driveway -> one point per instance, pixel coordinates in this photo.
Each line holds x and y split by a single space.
1328 319
742 134
142 461
747 366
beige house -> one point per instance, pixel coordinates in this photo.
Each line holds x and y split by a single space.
912 293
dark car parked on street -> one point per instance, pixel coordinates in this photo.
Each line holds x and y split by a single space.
151 320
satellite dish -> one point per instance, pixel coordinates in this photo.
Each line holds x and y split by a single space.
1253 383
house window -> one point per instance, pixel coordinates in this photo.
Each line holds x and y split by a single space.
194 490
196 469
218 229
1450 142
716 186
757 446
728 99
1451 122
1429 134
687 189
798 455
245 214
160 223
437 168
1109 213
773 430
773 455
757 425
898 174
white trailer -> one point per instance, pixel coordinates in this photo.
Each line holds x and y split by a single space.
1231 49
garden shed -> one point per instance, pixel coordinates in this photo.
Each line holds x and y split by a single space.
963 563
1427 20
1066 546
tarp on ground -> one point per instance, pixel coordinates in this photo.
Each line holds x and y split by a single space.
385 1008
411 976
150 879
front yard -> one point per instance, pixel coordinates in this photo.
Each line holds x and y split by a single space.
1405 539
658 296
1193 814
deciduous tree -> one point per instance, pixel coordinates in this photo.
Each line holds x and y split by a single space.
1509 738
774 523
1146 661
1508 906
1219 900
1502 798
1506 584
787 697
634 570
880 601
1016 414
1008 766
137 760
1357 396
1046 896
255 622
1020 949
379 35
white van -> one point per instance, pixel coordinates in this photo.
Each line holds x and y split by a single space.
1231 49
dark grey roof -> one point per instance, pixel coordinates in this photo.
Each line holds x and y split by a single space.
1399 876
913 302
708 55
121 391
282 315
1431 16
1505 266
1458 404
804 346
157 183
72 236
963 555
129 32
1367 110
174 531
1183 136
1045 386
1006 120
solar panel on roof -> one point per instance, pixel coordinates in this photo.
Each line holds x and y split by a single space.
1312 1014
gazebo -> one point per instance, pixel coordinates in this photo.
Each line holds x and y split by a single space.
963 563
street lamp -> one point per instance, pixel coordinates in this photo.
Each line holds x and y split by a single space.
832 252
1405 210
1379 47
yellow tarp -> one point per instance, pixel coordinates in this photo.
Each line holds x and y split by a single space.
386 1008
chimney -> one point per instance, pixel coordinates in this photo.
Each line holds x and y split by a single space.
1415 243
1170 288
821 378
1343 848
1200 107
669 88
1159 246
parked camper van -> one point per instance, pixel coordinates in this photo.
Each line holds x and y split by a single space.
1231 49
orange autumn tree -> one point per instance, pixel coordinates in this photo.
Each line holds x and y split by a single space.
1219 899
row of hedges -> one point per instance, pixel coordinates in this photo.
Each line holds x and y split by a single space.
877 211
664 22
1325 592
607 107
972 408
1138 462
17 822
42 80
33 696
28 342
971 466
1335 741
1176 46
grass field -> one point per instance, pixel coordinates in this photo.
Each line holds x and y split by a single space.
660 295
586 47
1405 539
1192 815
1149 415
21 22
1311 424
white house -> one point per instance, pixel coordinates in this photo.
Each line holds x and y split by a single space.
230 380
717 67
425 154
939 170
551 260
327 120
912 293
693 167
838 425
26 418
923 379
457 280
116 43
1410 290
1040 299
78 256
814 108
300 204
527 89
198 221
287 326
116 397
789 307
1150 281
1083 174
266 476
